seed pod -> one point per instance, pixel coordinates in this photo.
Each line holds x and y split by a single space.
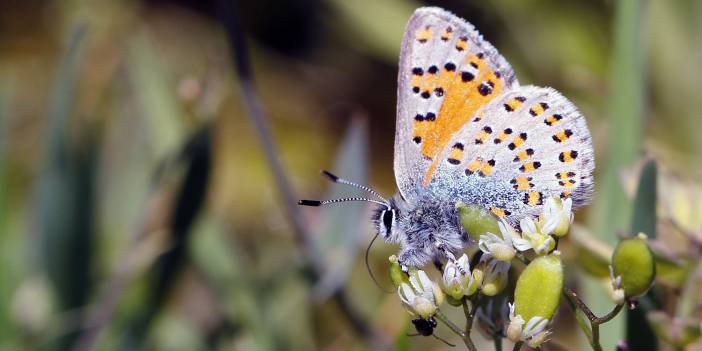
539 287
477 220
633 261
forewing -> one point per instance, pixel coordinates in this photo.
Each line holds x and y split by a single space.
530 143
447 73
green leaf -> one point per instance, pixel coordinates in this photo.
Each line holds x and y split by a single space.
592 254
611 210
221 260
672 272
639 333
644 218
156 96
64 189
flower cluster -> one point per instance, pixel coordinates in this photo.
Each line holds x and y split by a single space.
537 235
476 280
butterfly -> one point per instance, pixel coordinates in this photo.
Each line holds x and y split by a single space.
467 131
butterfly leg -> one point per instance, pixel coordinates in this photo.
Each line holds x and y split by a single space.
411 257
446 253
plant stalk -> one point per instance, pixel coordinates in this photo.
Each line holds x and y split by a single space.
466 338
593 333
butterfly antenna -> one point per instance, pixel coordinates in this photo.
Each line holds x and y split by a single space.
444 341
317 203
336 179
370 272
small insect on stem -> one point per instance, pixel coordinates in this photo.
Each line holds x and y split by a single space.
425 327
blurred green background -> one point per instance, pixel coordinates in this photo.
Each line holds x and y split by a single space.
137 208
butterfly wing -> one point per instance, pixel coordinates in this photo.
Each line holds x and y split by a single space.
447 73
530 144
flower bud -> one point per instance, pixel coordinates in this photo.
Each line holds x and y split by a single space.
534 332
538 339
616 293
396 274
557 216
421 296
533 233
456 277
438 294
499 248
617 296
539 287
495 279
423 307
476 281
633 262
476 220
514 328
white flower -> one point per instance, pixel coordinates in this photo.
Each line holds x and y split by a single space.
514 328
616 292
422 296
535 236
557 216
501 248
534 333
457 278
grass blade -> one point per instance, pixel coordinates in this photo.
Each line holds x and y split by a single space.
611 211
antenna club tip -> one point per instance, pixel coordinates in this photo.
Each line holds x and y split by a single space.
314 203
331 177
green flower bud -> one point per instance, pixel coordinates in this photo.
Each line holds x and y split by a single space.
478 275
456 277
494 287
477 220
633 261
396 274
495 277
539 287
453 302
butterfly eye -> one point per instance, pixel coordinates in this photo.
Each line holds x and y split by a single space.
388 217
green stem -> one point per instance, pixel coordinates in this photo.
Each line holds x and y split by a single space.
593 333
518 346
469 312
609 316
466 339
582 322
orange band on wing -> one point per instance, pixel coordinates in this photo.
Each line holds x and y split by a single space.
463 93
